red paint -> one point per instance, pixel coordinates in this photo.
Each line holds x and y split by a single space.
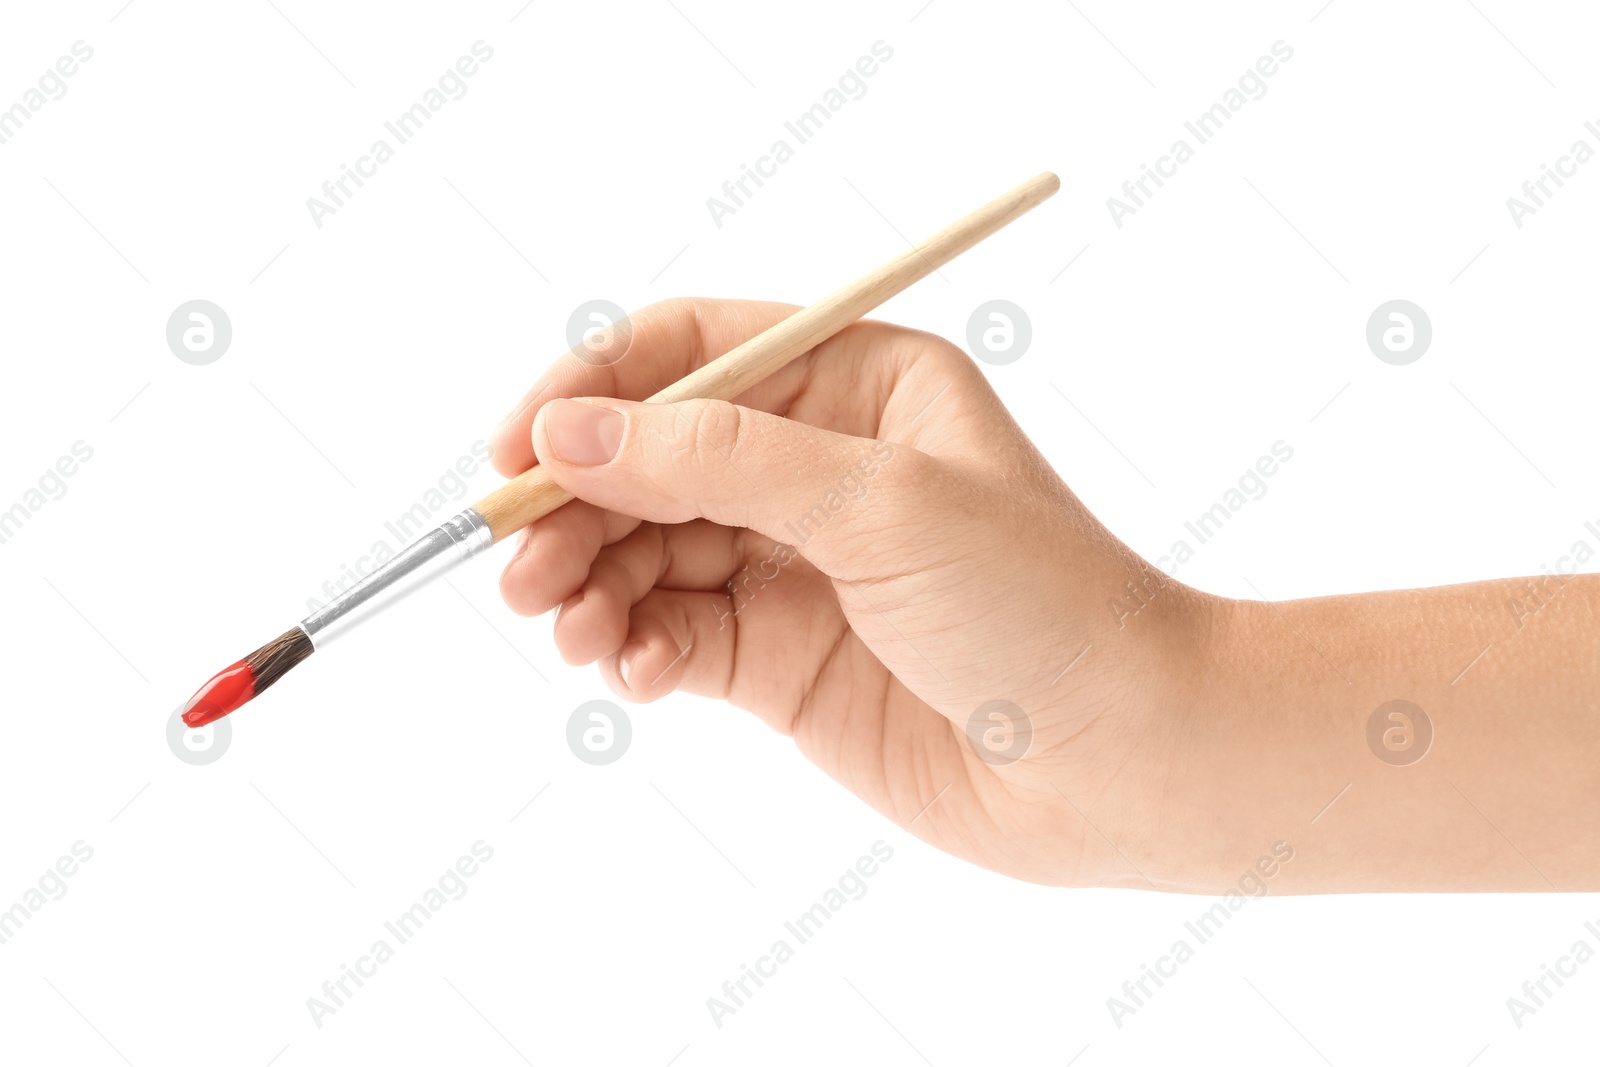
227 691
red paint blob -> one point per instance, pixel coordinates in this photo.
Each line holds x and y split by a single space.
227 691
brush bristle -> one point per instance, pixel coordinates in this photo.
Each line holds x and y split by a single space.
278 657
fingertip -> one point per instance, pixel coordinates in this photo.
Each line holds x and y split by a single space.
537 441
628 663
579 432
539 436
568 633
520 596
590 624
552 561
650 663
611 674
536 579
510 451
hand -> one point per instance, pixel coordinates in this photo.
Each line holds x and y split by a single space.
867 553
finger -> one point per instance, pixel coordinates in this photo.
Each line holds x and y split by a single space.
676 640
696 556
593 622
663 342
874 379
553 556
796 484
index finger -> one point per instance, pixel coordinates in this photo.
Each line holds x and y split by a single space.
667 340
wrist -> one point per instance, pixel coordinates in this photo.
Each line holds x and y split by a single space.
1170 669
1223 790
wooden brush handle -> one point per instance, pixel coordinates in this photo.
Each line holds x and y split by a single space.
532 494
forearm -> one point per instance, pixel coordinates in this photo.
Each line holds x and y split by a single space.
1504 796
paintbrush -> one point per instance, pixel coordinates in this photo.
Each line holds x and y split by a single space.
532 494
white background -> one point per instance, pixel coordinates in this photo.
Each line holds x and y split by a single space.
370 354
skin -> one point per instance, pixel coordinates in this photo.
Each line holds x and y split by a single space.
945 566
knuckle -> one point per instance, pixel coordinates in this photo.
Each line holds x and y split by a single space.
707 433
900 473
950 359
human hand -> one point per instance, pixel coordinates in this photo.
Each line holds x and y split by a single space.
867 553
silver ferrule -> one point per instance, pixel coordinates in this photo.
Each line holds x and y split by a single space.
435 552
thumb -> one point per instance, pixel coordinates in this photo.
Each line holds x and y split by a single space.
819 491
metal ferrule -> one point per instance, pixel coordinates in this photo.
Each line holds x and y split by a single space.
435 552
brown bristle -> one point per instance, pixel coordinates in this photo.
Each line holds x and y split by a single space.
278 657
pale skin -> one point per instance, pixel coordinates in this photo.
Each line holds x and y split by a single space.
946 566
